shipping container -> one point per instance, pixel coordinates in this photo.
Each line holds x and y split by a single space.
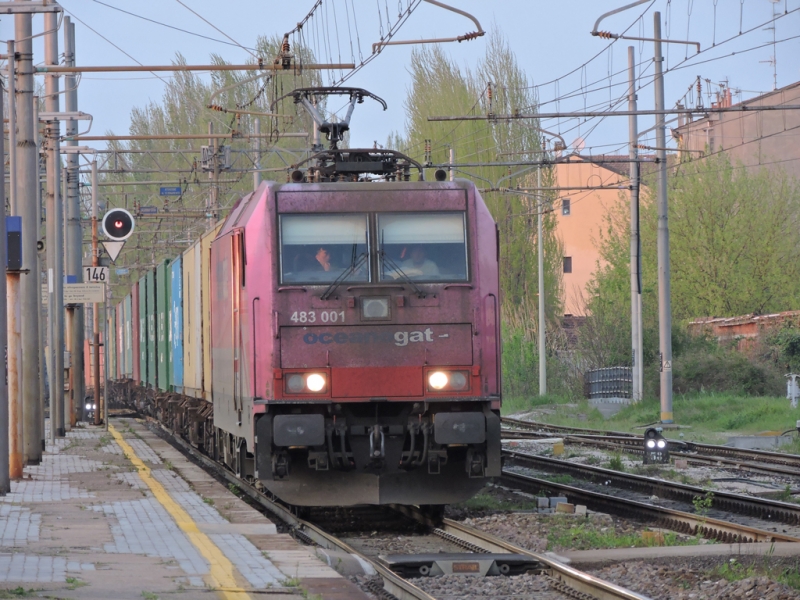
162 325
152 377
110 341
135 334
126 334
205 282
192 320
118 345
141 319
176 324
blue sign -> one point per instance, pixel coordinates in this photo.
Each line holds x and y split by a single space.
171 191
122 271
148 210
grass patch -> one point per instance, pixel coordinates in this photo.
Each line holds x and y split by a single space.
735 570
563 478
73 583
710 415
585 535
18 592
149 596
209 501
615 463
488 502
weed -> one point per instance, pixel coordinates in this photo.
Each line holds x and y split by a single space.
593 460
585 535
17 592
73 583
209 501
615 463
291 582
169 465
149 596
563 478
786 494
702 504
235 489
484 501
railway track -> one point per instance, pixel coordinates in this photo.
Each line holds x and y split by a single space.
565 579
748 459
769 510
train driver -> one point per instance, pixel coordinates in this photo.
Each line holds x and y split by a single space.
418 265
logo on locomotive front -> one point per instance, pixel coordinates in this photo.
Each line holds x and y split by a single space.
398 338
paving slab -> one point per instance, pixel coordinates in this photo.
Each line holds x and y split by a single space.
122 514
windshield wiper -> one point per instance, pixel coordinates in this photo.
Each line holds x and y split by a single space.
400 272
355 263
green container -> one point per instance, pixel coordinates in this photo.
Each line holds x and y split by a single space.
109 347
141 328
151 329
127 329
162 325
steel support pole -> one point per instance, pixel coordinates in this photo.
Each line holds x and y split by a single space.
452 162
30 290
106 346
74 233
664 304
257 161
637 370
5 481
95 305
39 265
212 176
540 247
55 228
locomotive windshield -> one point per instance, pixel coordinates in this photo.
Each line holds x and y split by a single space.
422 246
319 248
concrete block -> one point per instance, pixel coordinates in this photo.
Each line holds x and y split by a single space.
564 507
681 463
542 503
580 509
555 500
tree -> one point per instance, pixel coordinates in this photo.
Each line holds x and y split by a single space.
498 85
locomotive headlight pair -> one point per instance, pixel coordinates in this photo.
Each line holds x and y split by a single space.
298 383
448 380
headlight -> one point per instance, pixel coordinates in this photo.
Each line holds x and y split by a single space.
374 308
315 382
662 444
294 383
651 443
437 380
448 381
88 407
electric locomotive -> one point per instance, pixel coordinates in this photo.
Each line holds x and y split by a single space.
355 333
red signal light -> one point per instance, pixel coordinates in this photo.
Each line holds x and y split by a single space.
118 224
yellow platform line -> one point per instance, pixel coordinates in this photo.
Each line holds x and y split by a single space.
221 576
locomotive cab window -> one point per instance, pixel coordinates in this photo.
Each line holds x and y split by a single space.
423 246
320 248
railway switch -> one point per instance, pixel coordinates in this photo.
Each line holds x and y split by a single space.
656 449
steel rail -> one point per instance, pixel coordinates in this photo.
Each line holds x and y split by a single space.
392 583
667 518
774 510
782 458
622 444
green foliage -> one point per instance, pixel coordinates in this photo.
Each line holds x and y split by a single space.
732 253
702 504
737 569
785 344
615 463
587 535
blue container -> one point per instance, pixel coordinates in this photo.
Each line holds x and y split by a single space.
176 323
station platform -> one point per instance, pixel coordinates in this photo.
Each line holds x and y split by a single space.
121 514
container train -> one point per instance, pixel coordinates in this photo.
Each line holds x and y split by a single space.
335 339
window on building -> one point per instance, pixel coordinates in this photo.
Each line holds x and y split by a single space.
565 207
567 264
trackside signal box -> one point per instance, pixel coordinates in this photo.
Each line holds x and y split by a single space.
656 449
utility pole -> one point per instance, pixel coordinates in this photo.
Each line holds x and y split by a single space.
14 348
5 480
74 234
540 245
213 176
452 162
637 366
54 228
39 264
30 290
664 303
95 305
257 161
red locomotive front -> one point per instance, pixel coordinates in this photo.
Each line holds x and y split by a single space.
355 336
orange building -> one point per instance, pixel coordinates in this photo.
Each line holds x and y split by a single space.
581 217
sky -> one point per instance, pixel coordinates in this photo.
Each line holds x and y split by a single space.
571 69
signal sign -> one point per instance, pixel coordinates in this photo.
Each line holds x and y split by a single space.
118 224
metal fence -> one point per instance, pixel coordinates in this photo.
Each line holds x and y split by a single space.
613 382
